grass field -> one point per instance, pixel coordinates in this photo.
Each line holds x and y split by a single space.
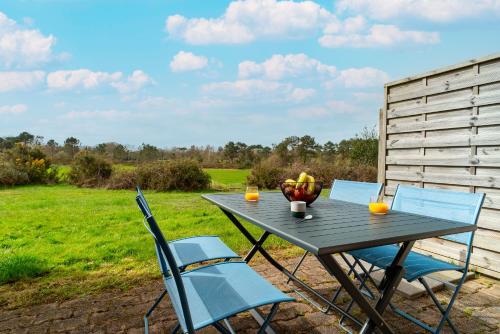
232 178
77 241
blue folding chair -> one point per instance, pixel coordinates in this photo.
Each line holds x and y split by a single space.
348 191
207 295
451 205
187 251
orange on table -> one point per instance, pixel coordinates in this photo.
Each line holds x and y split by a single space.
379 208
252 197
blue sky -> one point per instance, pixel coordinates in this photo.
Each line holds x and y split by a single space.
177 73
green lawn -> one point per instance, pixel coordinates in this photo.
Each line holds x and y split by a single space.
84 240
232 178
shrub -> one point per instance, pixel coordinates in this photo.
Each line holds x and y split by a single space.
17 267
266 174
185 175
24 164
124 179
89 170
343 170
11 176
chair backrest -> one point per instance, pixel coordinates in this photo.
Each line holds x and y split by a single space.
161 242
356 192
452 205
146 211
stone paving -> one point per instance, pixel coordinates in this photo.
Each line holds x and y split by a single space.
476 311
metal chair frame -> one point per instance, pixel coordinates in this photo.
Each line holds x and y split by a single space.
328 306
147 212
174 272
445 311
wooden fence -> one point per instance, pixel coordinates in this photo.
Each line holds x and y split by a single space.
441 129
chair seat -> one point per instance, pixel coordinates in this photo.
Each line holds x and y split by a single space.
192 250
416 265
221 290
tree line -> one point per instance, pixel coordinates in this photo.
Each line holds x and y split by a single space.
360 149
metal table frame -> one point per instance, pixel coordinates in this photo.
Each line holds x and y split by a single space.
388 285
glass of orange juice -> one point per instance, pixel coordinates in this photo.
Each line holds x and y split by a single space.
377 206
252 194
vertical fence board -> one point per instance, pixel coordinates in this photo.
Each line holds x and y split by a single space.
441 129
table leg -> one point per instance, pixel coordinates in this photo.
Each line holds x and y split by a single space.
257 246
389 284
334 268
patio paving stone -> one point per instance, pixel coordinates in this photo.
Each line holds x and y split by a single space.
476 311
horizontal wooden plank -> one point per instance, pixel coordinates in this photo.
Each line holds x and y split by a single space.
487 239
442 70
486 150
447 251
446 141
489 219
452 122
492 199
448 85
459 160
423 108
463 180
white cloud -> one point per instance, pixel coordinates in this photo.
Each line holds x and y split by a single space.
110 114
301 94
362 77
364 96
244 21
12 81
187 61
82 78
153 102
13 109
245 88
247 21
439 11
133 83
328 109
20 47
282 66
258 90
343 107
88 79
379 35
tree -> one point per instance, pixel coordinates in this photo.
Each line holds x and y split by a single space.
230 151
25 138
362 149
101 148
286 149
306 148
365 147
119 152
148 152
52 147
71 146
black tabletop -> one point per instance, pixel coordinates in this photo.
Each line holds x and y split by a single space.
337 226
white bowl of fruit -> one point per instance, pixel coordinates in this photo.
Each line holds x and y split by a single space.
305 188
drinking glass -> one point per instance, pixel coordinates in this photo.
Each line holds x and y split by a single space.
377 206
252 193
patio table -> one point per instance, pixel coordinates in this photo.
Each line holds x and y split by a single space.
336 227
